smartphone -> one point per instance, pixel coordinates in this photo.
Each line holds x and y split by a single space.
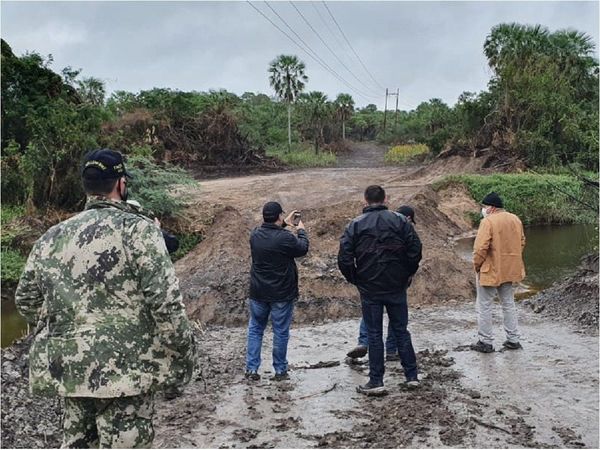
296 218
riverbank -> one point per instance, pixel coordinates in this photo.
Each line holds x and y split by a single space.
574 298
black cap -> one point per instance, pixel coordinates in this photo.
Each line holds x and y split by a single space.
492 199
271 211
408 212
103 164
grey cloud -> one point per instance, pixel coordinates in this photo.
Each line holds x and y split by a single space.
427 49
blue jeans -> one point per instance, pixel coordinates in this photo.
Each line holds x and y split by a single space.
281 319
391 346
397 309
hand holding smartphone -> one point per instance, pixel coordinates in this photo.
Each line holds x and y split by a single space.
297 217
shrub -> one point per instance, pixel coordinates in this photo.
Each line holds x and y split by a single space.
403 153
187 242
302 156
535 198
151 184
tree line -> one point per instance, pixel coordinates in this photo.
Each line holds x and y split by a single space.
541 106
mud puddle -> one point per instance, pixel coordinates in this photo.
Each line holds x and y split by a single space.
545 395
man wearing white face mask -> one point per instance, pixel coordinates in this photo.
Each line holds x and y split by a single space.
498 263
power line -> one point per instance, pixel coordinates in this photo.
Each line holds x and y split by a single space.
310 52
320 60
325 22
350 45
329 48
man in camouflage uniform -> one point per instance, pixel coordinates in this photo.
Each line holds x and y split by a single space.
111 327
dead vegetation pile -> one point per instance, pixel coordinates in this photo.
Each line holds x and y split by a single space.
210 139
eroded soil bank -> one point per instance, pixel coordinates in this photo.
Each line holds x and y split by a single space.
214 276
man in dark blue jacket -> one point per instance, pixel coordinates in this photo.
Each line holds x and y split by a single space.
273 286
379 252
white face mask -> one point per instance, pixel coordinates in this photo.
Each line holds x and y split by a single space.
484 212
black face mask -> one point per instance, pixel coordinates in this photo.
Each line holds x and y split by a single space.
124 196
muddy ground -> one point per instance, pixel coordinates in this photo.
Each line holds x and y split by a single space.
543 396
575 298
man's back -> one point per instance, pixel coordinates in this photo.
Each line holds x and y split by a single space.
96 284
273 276
498 249
379 251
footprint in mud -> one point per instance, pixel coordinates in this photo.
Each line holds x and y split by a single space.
288 423
246 434
280 409
568 436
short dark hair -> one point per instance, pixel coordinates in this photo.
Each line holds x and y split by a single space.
99 186
374 194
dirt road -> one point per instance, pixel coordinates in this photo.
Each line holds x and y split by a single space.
363 154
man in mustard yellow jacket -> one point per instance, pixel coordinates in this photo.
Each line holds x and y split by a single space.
498 262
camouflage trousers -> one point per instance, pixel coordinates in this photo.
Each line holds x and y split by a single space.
123 422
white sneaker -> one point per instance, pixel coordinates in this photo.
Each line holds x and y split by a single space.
413 384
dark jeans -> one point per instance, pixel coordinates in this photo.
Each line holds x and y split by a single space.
397 310
281 318
391 346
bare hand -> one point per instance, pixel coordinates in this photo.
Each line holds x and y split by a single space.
290 218
157 222
300 226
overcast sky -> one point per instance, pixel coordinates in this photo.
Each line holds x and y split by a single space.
426 49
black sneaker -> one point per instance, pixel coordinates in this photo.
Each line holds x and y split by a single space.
358 352
281 376
392 357
371 389
482 347
512 345
252 375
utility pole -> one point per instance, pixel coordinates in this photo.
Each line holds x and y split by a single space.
385 111
396 113
387 94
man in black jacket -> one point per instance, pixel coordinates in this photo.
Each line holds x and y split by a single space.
273 286
379 252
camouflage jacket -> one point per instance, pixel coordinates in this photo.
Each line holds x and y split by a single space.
101 289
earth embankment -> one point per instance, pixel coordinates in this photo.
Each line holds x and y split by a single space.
214 276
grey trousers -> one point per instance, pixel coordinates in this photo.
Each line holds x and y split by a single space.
485 301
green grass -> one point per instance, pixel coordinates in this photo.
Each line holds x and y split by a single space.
302 155
12 261
536 198
9 213
12 265
401 154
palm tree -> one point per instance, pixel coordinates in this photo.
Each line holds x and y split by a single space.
344 105
287 78
316 110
